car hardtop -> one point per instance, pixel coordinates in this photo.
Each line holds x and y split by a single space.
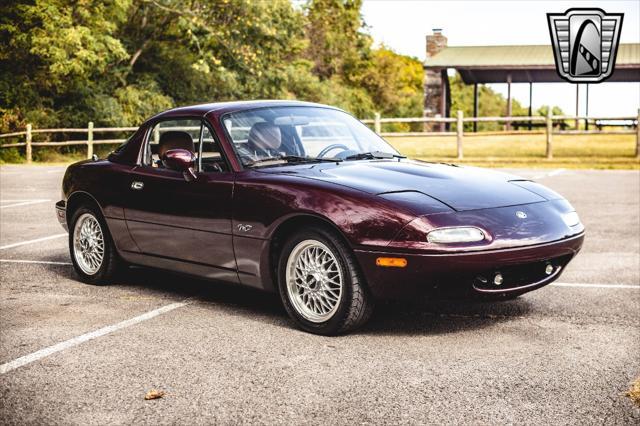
128 152
220 108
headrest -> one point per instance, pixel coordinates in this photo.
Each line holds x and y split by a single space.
265 135
175 140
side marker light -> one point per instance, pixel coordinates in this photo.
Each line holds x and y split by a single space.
394 262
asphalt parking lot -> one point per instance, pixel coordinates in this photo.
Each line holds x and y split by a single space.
564 354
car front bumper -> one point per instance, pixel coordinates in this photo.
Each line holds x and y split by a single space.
61 214
521 269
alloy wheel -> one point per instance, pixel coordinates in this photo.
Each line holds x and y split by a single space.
88 244
314 281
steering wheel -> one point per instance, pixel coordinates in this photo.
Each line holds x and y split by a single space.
331 148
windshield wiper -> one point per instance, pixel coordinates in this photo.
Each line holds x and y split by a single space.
373 155
301 159
294 159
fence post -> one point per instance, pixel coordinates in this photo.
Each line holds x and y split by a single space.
90 140
638 135
459 133
28 151
377 126
549 153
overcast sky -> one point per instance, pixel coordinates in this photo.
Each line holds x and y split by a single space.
403 25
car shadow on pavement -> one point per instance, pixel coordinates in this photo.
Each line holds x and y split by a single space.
416 317
223 295
442 316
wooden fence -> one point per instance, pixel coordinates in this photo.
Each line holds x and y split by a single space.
549 121
89 142
377 122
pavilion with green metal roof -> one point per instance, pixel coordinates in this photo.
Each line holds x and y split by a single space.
522 64
503 64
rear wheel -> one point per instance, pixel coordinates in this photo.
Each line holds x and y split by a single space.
320 284
92 251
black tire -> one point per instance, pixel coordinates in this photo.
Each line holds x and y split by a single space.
111 263
355 304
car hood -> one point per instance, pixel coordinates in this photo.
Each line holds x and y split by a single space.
460 188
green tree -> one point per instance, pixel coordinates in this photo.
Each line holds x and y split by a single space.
543 110
337 45
53 53
395 84
215 50
117 62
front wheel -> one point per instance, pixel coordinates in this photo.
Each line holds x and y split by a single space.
92 251
320 284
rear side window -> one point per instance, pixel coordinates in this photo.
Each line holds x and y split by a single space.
190 134
190 127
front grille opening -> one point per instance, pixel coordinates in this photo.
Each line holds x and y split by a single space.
519 275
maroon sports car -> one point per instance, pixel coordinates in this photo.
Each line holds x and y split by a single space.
304 200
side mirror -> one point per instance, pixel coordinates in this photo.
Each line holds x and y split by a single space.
180 160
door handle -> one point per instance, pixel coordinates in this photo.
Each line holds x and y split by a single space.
136 185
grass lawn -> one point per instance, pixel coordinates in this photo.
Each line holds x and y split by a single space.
526 150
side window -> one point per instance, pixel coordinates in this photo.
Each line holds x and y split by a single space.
210 158
171 134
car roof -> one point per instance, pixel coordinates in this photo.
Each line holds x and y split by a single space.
232 106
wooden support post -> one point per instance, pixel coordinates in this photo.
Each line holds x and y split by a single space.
549 152
508 126
377 126
475 106
459 134
443 98
90 140
28 151
638 135
577 106
530 105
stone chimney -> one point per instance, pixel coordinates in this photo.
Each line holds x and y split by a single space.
435 42
436 84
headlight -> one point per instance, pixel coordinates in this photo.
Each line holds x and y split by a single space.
571 219
465 234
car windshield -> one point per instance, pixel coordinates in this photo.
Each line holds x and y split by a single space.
280 135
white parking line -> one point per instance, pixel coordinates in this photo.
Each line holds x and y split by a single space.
43 262
37 240
550 174
24 203
586 285
42 353
556 172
